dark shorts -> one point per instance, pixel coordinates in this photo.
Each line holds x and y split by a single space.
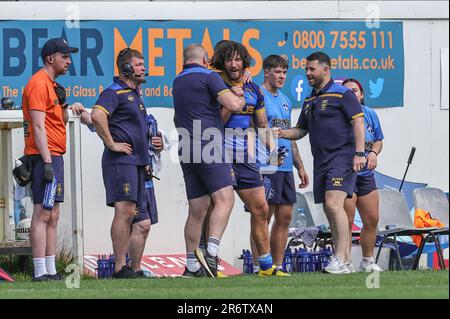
148 210
37 183
201 179
283 185
365 185
334 179
124 182
247 176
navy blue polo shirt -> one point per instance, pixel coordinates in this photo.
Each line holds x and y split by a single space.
327 116
126 121
195 93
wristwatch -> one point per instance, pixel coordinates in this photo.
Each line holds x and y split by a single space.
360 154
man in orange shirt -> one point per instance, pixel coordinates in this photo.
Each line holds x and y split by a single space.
45 117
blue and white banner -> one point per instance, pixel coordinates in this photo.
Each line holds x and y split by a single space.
372 55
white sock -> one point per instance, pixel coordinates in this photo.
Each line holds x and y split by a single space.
50 264
39 267
192 263
255 268
213 246
368 260
279 267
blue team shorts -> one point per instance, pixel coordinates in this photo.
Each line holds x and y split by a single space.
148 210
339 178
283 185
365 185
124 182
247 176
38 184
201 179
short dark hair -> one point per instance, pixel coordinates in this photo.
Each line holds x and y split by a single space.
275 61
125 56
225 50
321 57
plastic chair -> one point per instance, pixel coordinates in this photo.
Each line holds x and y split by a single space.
395 220
434 201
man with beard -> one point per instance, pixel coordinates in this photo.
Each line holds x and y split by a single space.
231 59
119 117
334 119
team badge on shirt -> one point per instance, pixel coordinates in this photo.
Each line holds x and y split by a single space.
324 105
130 98
285 106
126 189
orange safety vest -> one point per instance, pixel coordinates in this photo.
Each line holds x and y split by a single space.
423 219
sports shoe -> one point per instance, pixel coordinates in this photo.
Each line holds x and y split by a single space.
190 274
125 273
336 267
40 278
55 277
350 266
221 274
274 271
144 274
369 267
208 262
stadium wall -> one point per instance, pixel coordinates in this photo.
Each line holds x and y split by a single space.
421 122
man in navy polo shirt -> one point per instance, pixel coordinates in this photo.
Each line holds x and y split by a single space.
333 117
119 117
197 95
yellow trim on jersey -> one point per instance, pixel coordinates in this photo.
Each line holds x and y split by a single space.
357 115
223 91
339 95
260 110
310 99
101 108
227 80
123 91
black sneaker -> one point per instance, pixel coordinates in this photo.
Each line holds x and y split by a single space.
55 277
40 278
125 273
190 274
144 274
208 262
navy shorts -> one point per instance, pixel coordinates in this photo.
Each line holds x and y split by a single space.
124 182
38 184
148 210
247 176
365 185
339 178
201 179
283 185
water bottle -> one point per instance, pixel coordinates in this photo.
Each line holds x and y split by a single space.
49 195
11 227
301 219
287 261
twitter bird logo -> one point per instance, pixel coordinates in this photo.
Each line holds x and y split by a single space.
376 88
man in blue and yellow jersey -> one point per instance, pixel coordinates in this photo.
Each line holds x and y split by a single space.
333 117
231 59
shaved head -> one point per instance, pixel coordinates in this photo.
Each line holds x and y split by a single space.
194 53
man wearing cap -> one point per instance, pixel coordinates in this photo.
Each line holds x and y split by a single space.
45 116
